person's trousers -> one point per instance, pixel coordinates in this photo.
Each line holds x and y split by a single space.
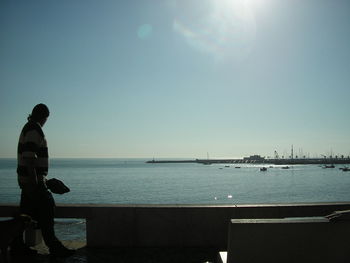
40 205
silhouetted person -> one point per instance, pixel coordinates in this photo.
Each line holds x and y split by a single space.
36 200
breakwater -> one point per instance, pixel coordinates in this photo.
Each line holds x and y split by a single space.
291 161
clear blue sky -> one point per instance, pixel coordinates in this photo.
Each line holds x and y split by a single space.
167 78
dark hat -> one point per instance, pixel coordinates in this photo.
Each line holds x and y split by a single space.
40 112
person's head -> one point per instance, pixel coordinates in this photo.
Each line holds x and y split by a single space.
40 113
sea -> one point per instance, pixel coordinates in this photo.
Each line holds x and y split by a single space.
133 181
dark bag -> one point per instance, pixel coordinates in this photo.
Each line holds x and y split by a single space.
56 186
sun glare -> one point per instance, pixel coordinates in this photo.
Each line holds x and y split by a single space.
225 29
250 4
255 4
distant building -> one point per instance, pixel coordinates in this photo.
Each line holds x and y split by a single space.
254 158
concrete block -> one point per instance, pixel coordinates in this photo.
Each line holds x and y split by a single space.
288 240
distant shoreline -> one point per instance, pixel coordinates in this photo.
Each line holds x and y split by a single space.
294 161
246 160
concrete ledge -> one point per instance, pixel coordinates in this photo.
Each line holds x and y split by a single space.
173 225
290 240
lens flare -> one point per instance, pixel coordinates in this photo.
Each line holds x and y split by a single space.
144 31
225 28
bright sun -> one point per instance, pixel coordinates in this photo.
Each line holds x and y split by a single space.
253 4
226 30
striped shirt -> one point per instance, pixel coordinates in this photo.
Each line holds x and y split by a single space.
32 145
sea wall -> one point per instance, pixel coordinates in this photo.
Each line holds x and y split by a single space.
173 225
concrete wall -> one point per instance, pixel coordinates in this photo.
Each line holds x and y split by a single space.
173 225
289 240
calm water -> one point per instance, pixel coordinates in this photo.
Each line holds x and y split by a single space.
132 181
119 181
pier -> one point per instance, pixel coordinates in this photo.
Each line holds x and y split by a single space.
262 160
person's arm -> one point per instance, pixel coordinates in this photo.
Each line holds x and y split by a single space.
31 172
33 182
31 143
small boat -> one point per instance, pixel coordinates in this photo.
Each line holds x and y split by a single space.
227 166
285 167
329 166
237 167
263 169
346 169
